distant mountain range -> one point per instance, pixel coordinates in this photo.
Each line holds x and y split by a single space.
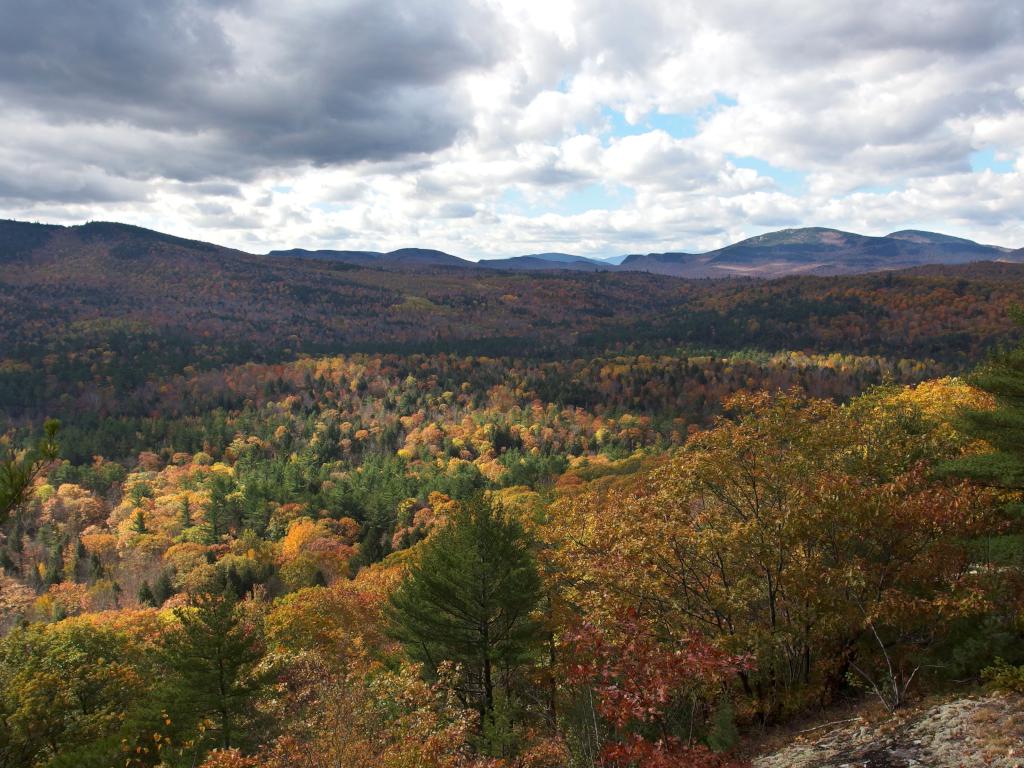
112 306
811 251
432 258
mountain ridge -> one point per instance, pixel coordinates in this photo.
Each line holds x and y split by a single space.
821 251
805 250
401 256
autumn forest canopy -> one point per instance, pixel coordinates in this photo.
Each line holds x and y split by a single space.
282 511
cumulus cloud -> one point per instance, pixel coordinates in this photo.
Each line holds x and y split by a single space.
494 127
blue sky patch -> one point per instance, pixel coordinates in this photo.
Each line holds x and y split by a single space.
875 189
579 200
593 197
514 201
676 125
985 160
330 207
790 182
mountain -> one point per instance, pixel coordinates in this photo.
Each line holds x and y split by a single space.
672 263
616 260
559 258
424 257
326 255
810 250
140 300
105 307
405 257
820 251
933 238
19 240
543 261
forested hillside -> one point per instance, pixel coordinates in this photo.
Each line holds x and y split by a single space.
92 314
304 513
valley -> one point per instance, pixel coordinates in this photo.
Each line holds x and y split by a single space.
693 482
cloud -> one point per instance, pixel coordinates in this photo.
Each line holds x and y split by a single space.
481 126
222 89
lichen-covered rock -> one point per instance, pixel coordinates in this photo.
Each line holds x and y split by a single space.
976 731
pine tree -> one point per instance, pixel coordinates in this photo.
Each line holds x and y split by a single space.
218 509
163 588
146 596
17 472
185 514
139 523
469 599
255 513
1002 427
213 654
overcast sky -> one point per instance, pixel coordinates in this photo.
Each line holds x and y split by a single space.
499 128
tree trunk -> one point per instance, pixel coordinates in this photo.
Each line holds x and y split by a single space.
552 684
488 674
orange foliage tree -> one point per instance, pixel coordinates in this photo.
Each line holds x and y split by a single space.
807 535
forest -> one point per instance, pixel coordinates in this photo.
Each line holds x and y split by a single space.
92 317
300 514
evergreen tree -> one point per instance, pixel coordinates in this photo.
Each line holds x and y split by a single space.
234 586
185 514
469 599
723 734
163 588
219 509
17 472
214 526
139 492
146 596
213 654
1002 427
255 513
139 523
54 562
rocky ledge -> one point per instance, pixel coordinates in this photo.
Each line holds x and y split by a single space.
983 731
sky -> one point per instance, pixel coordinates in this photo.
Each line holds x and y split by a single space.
498 128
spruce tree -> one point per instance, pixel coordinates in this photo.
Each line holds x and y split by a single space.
470 599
